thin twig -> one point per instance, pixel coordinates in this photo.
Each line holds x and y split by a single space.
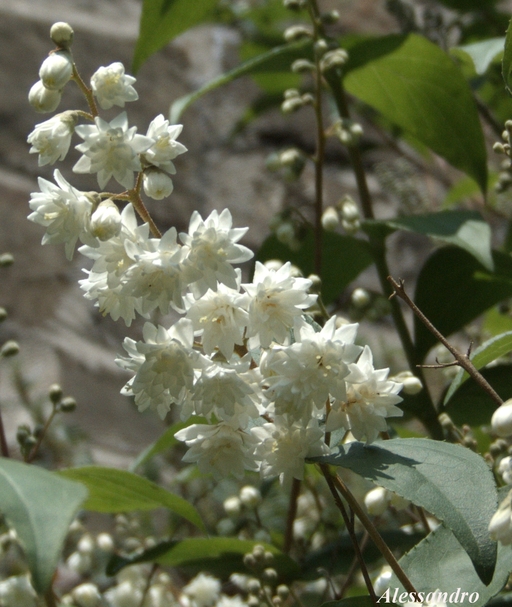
31 455
134 197
292 513
3 440
463 360
353 567
87 92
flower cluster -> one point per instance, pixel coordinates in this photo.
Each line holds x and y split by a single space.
246 357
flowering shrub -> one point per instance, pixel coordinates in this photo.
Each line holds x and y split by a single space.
266 376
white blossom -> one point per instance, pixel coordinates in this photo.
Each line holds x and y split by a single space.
106 221
277 299
166 374
111 149
157 184
64 211
370 399
505 469
283 448
202 591
219 449
111 86
500 527
165 147
43 100
213 249
51 139
124 594
501 421
56 70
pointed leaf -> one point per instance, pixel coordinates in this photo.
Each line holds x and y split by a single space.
277 60
483 53
453 289
344 258
112 490
450 481
506 65
489 351
439 562
465 229
40 506
221 556
163 20
417 86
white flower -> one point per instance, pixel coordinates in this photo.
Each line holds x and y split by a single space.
111 149
276 300
500 527
111 86
51 139
213 249
166 374
376 501
56 70
16 591
219 449
505 469
220 318
86 595
501 421
250 496
310 370
370 399
64 211
43 100
157 184
124 594
283 448
106 221
202 591
156 277
165 147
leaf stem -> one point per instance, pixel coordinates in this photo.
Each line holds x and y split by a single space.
134 197
292 513
30 456
463 360
87 92
4 449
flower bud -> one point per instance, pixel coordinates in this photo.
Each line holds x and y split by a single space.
43 100
350 227
56 70
6 260
294 5
330 18
10 348
157 184
301 66
67 405
321 47
360 298
269 575
500 527
250 496
297 32
106 221
86 595
105 542
381 584
55 393
3 314
398 502
22 433
412 385
349 209
501 421
376 501
62 34
232 505
333 59
253 586
258 552
291 105
283 591
330 219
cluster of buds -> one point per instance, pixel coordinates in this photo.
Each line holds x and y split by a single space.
505 176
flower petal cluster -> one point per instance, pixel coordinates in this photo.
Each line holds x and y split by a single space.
111 86
165 148
500 527
64 211
51 139
111 149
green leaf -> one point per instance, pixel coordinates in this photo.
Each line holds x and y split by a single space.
40 506
470 404
506 64
163 20
465 229
439 562
453 289
221 556
164 442
275 61
450 481
417 86
483 53
112 490
345 257
489 351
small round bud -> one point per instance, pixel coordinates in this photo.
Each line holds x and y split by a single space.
349 209
253 586
67 405
501 421
360 298
157 184
268 557
294 5
86 595
269 575
3 314
56 70
321 47
106 221
446 421
10 348
297 32
62 34
105 542
277 601
249 561
291 94
333 59
350 227
55 393
330 18
232 505
6 260
22 433
316 281
412 385
283 591
250 496
258 552
382 582
302 66
86 544
376 501
291 105
330 219
498 148
30 442
43 100
253 601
